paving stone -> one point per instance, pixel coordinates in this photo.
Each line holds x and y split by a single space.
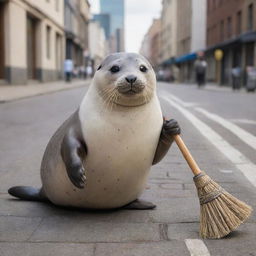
177 210
16 207
182 231
239 242
168 248
157 195
17 228
56 229
43 249
171 186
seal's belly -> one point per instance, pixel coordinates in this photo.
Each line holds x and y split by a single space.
120 153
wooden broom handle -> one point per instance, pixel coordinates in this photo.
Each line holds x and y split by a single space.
185 152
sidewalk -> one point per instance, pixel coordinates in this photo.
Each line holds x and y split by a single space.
214 87
15 92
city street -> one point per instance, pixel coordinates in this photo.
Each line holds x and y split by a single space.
218 126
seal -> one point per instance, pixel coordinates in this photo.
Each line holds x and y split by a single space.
101 156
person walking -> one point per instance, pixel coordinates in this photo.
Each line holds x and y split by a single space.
68 69
200 70
236 77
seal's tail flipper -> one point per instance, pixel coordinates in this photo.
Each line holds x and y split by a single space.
27 193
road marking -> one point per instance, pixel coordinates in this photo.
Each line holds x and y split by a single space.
243 121
183 103
226 171
243 135
236 157
197 247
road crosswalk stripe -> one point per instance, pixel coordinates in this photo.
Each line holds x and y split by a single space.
243 135
235 156
197 247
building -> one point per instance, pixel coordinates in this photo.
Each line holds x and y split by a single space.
151 45
191 36
231 27
32 40
76 17
104 20
168 30
97 43
115 32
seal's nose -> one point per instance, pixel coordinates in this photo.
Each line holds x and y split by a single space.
131 79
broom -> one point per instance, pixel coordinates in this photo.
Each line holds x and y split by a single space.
220 212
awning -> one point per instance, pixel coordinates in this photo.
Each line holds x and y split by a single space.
168 62
248 37
243 38
187 57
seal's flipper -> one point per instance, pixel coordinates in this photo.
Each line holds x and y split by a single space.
139 205
73 151
28 193
170 128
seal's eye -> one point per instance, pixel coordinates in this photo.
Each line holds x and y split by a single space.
99 67
115 69
143 68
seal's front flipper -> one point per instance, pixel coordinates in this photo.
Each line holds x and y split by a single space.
139 205
73 151
170 128
28 193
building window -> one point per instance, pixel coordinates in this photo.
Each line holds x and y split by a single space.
222 30
250 17
229 27
48 42
239 23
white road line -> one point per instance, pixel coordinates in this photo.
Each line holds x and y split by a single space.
243 135
183 103
197 247
243 121
235 156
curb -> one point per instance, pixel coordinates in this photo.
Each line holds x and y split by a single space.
47 91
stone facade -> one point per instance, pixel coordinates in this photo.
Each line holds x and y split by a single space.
33 40
151 46
97 42
76 17
169 18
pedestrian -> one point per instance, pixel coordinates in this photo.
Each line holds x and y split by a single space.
89 71
236 77
82 72
200 70
68 69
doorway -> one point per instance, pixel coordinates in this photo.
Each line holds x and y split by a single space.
58 54
31 47
2 45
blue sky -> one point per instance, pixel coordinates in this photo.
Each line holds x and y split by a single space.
139 16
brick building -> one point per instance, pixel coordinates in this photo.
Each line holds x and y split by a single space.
231 27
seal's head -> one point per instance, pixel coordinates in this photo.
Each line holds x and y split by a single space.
125 79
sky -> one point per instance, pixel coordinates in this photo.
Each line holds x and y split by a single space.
138 18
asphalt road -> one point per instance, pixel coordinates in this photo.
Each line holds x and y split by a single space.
217 125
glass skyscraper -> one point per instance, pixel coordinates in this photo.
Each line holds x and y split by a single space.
115 10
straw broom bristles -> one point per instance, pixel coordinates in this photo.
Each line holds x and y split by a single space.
221 212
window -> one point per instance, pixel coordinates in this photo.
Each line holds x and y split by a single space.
48 42
222 30
239 22
250 17
229 27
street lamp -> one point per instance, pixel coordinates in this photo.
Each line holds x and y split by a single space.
218 55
